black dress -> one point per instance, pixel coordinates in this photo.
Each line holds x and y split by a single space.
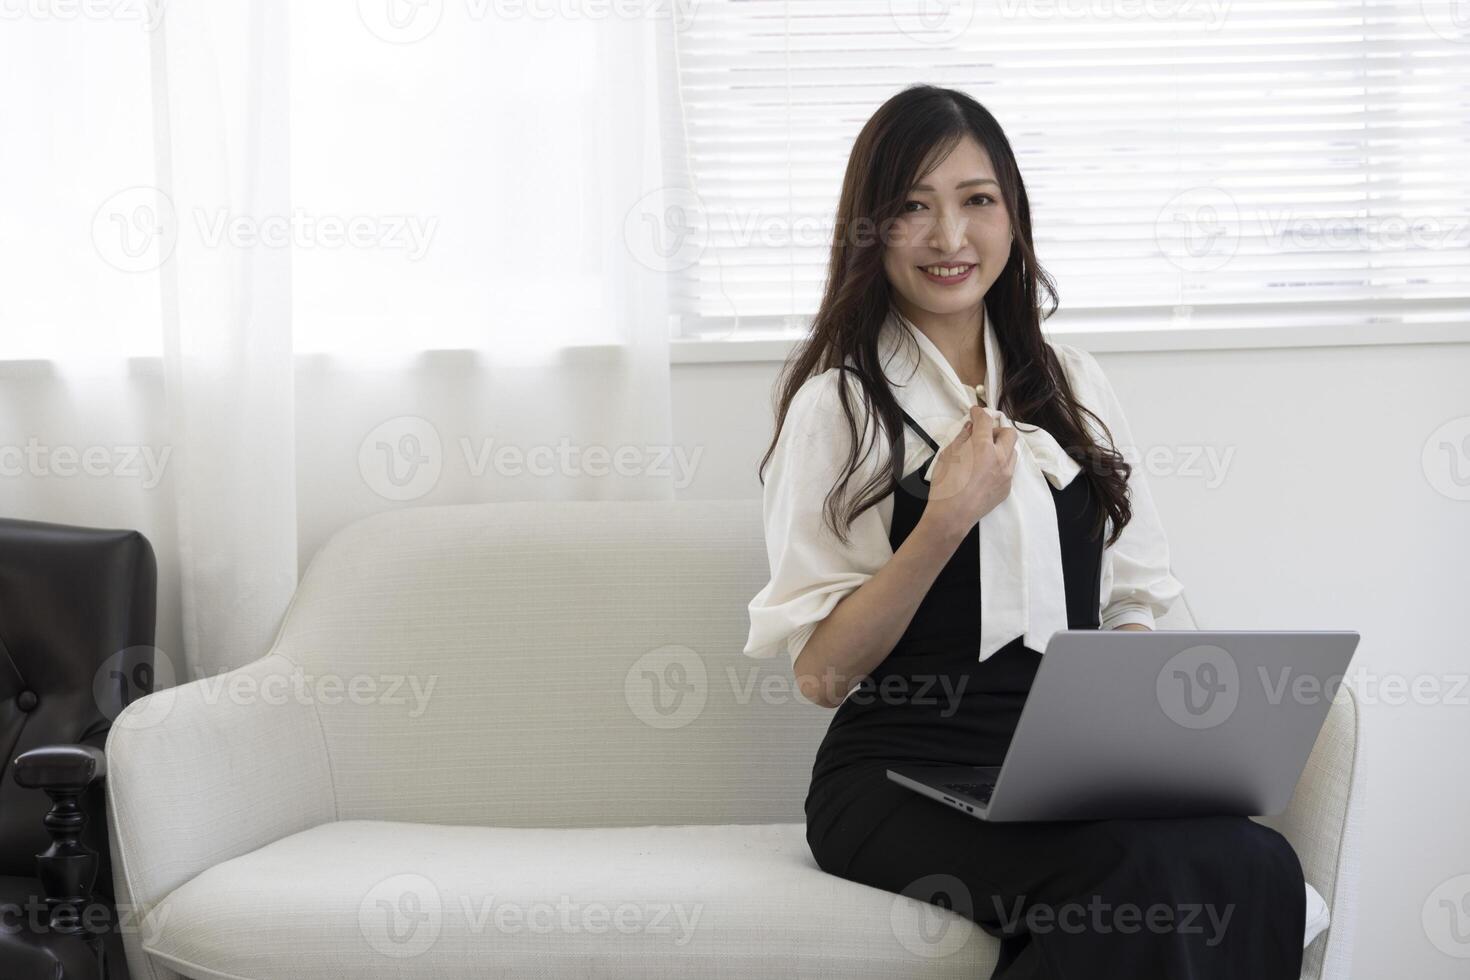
1217 897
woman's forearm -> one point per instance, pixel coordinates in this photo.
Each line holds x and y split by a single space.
864 627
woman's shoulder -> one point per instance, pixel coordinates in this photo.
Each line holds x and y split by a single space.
1090 386
816 422
1079 364
818 399
1088 382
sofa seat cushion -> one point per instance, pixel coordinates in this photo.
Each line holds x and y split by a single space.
362 898
365 898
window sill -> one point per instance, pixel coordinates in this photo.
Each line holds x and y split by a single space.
1121 339
774 348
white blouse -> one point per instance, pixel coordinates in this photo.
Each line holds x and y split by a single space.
1022 592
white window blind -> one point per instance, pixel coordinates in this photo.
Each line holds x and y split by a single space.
1254 161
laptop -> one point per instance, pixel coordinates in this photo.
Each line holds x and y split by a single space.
1163 723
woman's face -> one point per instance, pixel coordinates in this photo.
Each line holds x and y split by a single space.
953 219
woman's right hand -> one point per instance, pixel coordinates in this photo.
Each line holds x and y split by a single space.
971 475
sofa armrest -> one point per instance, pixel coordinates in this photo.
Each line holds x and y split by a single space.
207 771
1322 822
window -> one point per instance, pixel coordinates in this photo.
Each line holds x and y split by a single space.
1229 161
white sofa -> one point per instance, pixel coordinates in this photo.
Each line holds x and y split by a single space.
589 780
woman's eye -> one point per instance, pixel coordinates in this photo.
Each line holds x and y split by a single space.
910 207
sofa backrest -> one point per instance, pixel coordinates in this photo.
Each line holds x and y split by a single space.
551 663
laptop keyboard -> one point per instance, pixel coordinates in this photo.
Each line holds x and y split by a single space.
979 791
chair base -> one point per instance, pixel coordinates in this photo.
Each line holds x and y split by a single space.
30 951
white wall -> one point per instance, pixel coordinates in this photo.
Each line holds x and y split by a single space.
1325 519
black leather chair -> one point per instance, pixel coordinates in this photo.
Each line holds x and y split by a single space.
77 617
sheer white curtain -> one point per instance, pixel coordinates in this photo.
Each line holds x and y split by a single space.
383 262
221 139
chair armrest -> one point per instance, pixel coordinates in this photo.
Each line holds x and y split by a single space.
207 771
1322 822
68 868
60 767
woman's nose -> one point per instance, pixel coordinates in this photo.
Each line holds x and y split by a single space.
948 234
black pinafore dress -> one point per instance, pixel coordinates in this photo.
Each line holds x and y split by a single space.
1060 896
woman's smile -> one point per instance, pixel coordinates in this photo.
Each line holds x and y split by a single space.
947 275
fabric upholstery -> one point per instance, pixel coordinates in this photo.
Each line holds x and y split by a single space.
1323 822
198 775
647 902
346 899
487 670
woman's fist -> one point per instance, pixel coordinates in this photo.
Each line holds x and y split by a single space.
971 475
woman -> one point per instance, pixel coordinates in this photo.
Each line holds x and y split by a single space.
924 409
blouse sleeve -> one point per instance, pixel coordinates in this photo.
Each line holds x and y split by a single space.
811 570
1138 585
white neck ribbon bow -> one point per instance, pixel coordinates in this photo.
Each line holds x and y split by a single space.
1022 589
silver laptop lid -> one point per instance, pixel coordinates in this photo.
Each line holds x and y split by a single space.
1177 722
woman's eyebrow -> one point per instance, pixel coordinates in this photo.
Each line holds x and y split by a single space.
963 183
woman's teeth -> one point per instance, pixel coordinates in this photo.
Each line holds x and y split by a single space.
944 271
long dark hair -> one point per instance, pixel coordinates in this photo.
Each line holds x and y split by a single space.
906 138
